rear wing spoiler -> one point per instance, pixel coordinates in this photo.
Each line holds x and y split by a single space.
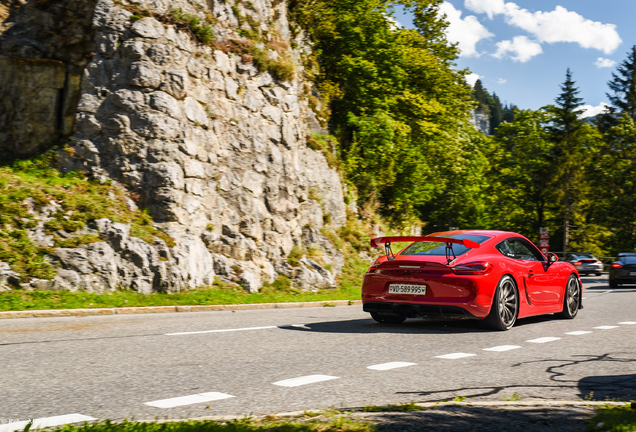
375 242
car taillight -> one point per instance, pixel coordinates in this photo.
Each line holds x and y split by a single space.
473 268
577 263
598 262
617 265
374 266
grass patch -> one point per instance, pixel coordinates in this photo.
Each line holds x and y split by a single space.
613 418
331 424
327 145
279 291
74 203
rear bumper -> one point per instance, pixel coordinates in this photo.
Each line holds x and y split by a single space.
589 269
416 310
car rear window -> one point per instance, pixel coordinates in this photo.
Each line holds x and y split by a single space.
434 248
629 259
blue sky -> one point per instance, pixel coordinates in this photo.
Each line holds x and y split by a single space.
521 49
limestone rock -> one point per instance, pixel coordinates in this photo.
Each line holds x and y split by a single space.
148 27
214 148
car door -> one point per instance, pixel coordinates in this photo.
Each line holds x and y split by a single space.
540 279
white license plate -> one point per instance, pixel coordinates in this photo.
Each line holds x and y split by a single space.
407 289
632 273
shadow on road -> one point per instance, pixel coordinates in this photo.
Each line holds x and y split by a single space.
608 387
410 326
477 419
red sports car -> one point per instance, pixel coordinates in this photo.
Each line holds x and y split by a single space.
494 276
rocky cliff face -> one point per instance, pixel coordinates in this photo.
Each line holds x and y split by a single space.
480 121
214 146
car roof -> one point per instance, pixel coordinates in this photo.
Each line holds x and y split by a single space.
627 254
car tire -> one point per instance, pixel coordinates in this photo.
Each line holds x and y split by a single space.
388 319
613 283
505 305
571 299
598 274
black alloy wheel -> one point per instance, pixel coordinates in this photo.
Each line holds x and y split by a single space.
388 319
571 299
505 306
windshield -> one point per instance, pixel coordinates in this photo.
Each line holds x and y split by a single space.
434 248
629 259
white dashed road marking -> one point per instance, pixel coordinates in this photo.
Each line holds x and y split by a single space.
502 348
224 330
605 327
544 339
455 356
46 422
309 379
188 400
578 333
391 365
628 322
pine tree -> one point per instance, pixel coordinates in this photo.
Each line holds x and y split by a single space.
482 97
496 113
566 130
623 84
508 113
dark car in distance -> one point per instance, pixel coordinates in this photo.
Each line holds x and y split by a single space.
585 263
623 270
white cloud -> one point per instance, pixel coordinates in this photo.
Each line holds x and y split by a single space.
393 23
560 25
502 81
472 79
490 7
467 32
604 63
591 111
520 49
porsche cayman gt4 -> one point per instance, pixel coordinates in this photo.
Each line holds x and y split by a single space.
493 276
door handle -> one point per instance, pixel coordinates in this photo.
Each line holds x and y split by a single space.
530 274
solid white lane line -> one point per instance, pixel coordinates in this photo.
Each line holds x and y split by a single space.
578 333
543 339
188 400
391 365
46 422
223 330
502 348
605 327
309 379
628 322
454 356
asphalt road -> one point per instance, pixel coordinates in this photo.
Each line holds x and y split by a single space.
190 365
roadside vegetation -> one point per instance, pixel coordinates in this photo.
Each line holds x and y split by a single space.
398 109
326 422
613 419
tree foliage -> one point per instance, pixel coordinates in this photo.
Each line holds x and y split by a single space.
399 109
402 108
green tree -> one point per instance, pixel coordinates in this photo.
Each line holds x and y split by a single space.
496 113
520 176
570 134
613 171
623 86
399 107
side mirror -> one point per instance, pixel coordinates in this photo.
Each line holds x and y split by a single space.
552 257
